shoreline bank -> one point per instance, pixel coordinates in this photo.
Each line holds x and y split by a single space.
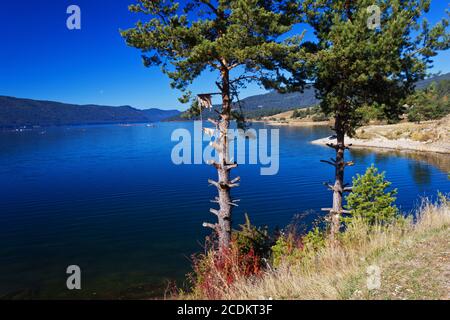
430 136
397 145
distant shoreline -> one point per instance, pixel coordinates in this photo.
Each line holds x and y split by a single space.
399 145
291 123
429 136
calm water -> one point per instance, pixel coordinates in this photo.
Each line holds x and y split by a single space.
109 199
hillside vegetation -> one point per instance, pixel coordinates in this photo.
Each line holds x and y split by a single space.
377 253
17 112
412 259
429 102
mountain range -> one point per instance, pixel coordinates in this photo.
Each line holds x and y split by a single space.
272 103
18 112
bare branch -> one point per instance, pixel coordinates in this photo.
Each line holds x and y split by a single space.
329 162
241 78
236 180
230 166
219 85
332 145
214 211
234 65
214 122
210 6
210 225
214 65
329 186
214 183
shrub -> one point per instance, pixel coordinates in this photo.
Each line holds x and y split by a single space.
290 247
215 271
245 257
370 199
422 136
320 117
300 113
286 249
430 103
314 240
369 113
252 238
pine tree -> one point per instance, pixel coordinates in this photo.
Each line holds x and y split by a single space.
371 199
237 39
356 64
430 103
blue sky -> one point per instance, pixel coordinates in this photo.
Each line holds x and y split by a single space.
41 59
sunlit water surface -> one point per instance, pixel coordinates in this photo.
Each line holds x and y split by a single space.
109 199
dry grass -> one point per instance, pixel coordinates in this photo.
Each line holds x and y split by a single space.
429 136
429 131
413 258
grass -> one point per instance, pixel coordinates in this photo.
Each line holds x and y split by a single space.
429 131
412 257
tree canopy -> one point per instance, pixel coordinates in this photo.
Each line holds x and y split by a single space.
187 39
357 66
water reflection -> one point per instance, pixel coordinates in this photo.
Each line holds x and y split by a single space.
420 169
421 173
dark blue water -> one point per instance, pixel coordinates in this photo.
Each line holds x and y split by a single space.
109 199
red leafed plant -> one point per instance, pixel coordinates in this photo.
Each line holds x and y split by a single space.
215 271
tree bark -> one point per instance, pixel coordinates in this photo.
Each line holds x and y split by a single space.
224 185
223 172
338 187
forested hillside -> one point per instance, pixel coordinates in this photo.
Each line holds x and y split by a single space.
16 112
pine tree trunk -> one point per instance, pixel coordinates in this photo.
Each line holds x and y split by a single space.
223 166
338 187
223 171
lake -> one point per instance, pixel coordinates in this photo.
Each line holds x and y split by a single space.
109 199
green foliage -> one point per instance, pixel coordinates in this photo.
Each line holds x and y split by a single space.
430 103
251 238
314 112
370 198
260 113
193 112
299 113
187 38
354 66
320 117
17 112
290 248
314 240
285 249
444 199
369 113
